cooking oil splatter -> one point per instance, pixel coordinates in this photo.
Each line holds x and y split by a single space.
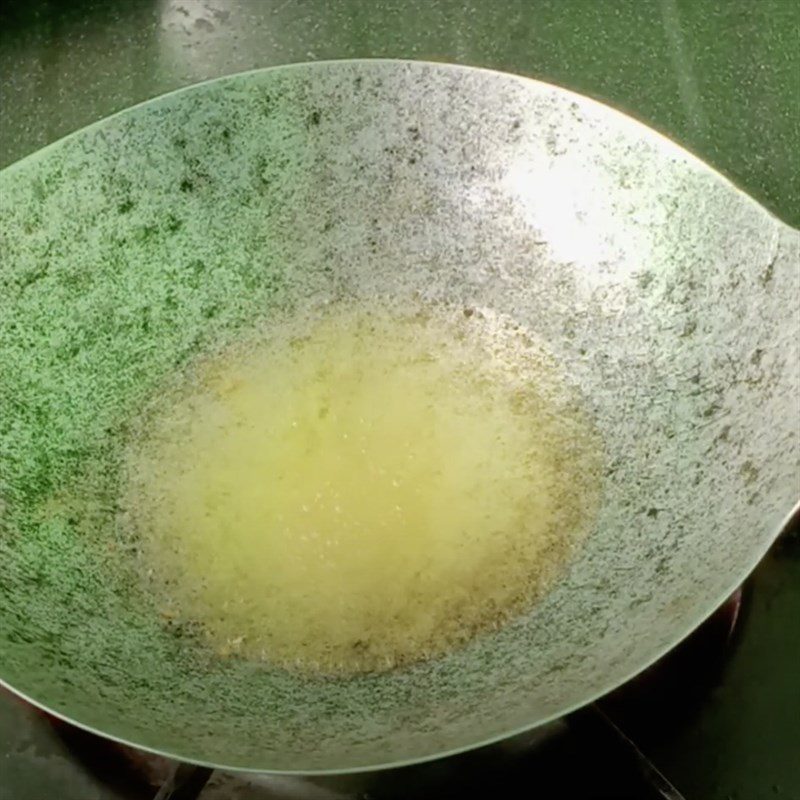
354 490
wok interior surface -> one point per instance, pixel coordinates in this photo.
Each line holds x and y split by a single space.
175 227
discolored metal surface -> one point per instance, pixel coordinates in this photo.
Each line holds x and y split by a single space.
167 229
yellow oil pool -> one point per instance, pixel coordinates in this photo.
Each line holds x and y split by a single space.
362 490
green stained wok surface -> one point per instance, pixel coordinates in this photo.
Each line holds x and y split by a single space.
719 78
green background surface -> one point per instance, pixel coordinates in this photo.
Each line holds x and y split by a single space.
722 77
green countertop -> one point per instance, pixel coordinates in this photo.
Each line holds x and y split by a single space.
722 77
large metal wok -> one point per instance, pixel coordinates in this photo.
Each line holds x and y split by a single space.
669 296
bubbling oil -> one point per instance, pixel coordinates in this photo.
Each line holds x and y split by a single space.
359 490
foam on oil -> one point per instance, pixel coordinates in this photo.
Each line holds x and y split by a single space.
359 490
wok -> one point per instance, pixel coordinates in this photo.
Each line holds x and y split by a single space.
669 297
